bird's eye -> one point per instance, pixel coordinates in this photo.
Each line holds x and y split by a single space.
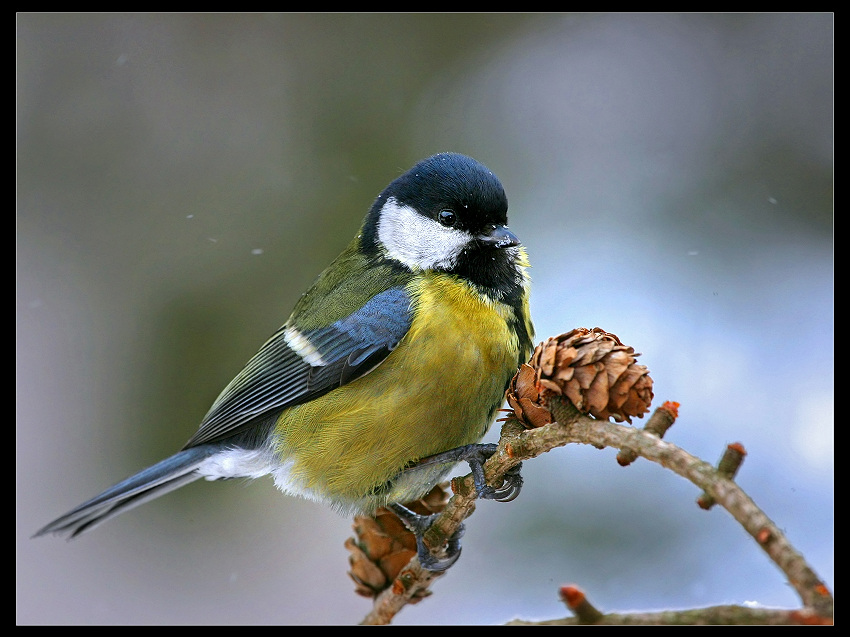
447 217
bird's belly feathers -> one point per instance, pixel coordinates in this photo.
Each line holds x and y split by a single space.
438 390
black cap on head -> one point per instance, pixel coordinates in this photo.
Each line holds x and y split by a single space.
447 181
455 181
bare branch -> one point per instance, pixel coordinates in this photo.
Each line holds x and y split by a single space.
518 444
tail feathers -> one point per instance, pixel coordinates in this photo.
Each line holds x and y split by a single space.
150 483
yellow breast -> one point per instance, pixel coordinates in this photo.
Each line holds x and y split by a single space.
439 389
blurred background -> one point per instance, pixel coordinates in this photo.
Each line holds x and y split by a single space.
181 179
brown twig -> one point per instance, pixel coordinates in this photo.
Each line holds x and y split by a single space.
730 615
586 613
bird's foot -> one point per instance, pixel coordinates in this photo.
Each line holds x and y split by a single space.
476 455
418 525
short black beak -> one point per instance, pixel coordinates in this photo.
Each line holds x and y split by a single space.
499 237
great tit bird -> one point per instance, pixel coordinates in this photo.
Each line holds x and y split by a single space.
390 369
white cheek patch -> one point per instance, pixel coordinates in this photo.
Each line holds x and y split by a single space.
417 241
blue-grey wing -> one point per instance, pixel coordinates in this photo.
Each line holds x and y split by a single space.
296 366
